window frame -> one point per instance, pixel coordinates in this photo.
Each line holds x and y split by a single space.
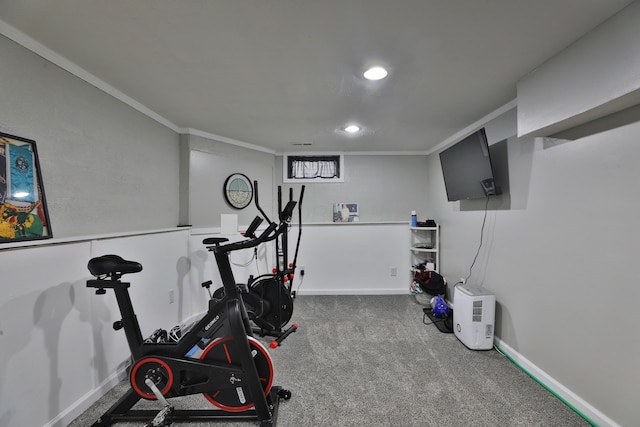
288 158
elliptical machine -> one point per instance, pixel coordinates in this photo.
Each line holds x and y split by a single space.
217 356
269 297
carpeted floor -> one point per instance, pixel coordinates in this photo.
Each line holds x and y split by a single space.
370 360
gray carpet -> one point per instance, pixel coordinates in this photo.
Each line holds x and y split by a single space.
370 360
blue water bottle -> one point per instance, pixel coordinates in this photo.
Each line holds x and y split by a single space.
414 219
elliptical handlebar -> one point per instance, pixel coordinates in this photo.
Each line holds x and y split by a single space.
255 198
300 199
295 257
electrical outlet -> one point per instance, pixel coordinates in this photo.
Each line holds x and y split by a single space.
171 296
393 271
301 271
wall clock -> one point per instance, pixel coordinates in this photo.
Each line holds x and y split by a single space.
238 191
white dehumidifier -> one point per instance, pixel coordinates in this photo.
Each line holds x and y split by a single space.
474 317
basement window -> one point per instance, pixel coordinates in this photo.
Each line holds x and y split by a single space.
313 168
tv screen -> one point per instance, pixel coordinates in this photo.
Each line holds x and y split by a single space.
466 167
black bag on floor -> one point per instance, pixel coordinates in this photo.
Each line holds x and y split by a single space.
430 282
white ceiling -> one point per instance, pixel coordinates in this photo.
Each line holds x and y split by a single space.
276 72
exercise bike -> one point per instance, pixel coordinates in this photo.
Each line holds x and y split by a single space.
217 356
269 297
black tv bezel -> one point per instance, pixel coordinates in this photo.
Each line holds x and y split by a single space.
454 195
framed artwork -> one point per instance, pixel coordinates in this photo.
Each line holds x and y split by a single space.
238 191
346 212
23 206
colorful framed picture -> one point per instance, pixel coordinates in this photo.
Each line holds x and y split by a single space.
23 206
346 212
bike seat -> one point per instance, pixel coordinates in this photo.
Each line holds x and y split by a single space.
214 240
112 264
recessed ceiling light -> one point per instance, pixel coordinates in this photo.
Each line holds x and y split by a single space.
375 73
352 128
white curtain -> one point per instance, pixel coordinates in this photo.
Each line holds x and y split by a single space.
314 169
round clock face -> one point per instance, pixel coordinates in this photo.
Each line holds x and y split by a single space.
238 191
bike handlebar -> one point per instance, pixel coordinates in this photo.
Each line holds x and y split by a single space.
266 236
246 244
253 227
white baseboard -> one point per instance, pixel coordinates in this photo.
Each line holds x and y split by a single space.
72 412
574 401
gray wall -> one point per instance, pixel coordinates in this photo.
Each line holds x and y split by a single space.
559 252
594 77
387 188
211 162
105 166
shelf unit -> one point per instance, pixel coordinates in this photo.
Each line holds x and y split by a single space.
425 245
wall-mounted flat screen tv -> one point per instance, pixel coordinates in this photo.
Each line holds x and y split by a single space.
467 170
